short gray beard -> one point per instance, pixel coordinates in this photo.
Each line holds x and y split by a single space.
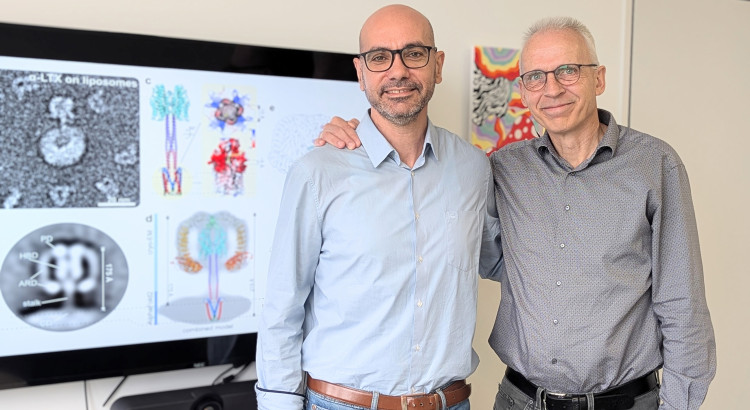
400 119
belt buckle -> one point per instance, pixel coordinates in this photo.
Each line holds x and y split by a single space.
554 396
559 396
405 399
424 396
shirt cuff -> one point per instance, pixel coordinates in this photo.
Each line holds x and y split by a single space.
279 400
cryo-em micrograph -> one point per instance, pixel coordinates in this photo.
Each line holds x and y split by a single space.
68 140
64 277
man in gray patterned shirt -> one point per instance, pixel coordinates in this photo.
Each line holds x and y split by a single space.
602 280
601 273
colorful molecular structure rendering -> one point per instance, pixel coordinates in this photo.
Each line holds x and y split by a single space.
229 165
213 243
170 106
229 111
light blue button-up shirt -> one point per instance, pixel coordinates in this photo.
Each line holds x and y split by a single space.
373 276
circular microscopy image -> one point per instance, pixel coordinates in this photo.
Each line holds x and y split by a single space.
64 277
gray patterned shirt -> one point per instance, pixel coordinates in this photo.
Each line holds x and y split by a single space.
602 279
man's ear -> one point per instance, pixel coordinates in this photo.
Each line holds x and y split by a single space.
439 60
601 83
358 68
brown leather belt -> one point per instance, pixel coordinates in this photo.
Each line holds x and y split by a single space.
455 393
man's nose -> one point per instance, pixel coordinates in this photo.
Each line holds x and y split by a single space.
398 68
552 86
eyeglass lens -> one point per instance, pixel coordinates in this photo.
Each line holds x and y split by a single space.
412 57
565 74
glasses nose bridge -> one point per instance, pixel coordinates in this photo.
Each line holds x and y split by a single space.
400 55
554 76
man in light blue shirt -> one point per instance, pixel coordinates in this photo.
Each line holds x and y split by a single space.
371 295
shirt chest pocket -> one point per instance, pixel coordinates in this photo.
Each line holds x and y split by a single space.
464 233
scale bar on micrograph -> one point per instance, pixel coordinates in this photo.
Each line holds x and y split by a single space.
115 204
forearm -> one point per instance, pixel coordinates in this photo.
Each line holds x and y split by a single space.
279 359
679 299
291 275
491 252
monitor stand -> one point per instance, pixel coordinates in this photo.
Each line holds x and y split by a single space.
228 396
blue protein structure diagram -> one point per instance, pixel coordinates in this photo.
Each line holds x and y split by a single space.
170 106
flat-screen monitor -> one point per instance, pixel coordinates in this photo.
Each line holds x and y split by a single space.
140 178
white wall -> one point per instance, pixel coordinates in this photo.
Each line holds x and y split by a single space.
691 88
674 37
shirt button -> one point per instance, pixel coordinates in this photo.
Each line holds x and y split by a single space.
562 245
555 321
558 283
419 303
420 259
412 173
567 207
416 215
554 361
417 348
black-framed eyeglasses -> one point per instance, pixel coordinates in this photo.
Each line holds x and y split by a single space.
413 56
566 74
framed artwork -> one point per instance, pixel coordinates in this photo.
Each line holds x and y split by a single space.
498 117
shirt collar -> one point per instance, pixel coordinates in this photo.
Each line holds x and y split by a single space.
611 135
378 148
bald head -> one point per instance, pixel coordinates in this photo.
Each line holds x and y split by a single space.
384 22
400 42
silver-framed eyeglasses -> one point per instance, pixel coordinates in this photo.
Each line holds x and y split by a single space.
413 56
566 74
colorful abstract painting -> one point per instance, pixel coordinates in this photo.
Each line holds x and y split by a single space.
497 115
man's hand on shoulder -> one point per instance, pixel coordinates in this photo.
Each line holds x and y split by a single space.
339 133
